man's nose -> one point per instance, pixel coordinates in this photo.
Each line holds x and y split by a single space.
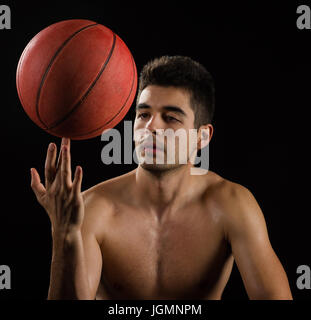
155 122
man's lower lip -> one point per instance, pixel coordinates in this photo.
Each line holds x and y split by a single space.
153 149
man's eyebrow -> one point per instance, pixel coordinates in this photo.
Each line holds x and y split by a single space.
168 108
142 106
175 109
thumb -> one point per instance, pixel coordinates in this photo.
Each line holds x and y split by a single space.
37 187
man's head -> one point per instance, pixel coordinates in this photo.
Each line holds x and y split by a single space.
184 73
174 93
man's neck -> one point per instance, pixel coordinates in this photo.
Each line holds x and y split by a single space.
163 191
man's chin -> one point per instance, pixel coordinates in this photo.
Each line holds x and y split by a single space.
160 168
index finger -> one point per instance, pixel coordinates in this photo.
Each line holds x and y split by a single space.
49 167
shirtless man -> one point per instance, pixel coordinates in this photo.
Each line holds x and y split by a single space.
157 232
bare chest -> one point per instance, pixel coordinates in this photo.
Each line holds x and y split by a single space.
180 257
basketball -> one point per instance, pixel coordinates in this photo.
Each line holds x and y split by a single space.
76 78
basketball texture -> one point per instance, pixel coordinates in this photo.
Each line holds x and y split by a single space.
76 78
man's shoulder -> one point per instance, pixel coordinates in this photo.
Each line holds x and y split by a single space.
100 203
110 189
225 189
233 200
237 205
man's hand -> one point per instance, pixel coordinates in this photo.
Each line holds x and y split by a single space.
60 197
63 201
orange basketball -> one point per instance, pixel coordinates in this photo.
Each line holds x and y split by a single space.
76 78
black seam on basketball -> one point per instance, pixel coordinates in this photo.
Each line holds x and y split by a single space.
132 86
52 126
50 65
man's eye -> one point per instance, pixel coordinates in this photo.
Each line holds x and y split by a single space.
143 115
169 118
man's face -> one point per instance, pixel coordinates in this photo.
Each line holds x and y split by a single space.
167 109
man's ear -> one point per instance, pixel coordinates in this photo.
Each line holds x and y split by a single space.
205 134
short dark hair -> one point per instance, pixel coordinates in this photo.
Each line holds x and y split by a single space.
183 72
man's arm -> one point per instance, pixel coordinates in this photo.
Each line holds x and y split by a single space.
91 244
68 277
77 259
245 228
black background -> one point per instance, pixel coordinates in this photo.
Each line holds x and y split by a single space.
261 64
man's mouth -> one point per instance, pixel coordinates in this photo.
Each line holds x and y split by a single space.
151 147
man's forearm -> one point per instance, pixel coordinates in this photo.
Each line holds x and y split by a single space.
68 278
